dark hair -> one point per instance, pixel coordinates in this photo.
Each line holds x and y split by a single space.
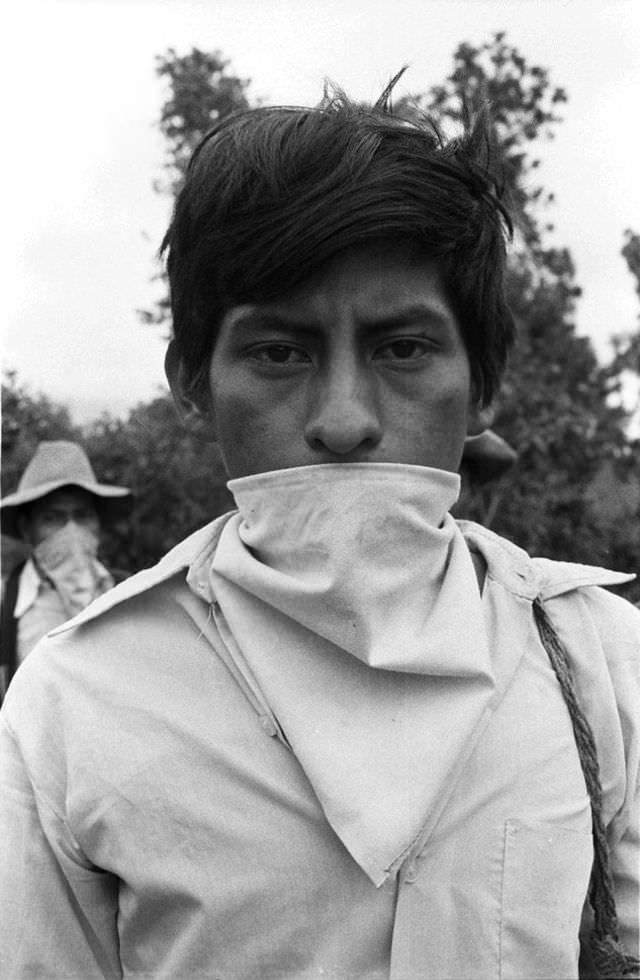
273 193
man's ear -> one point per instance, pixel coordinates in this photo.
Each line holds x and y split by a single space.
193 407
480 418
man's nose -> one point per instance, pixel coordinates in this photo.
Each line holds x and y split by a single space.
344 416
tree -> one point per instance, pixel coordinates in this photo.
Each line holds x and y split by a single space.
178 481
523 107
556 406
627 344
28 419
631 253
200 92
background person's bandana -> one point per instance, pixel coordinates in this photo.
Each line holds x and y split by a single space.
351 598
68 560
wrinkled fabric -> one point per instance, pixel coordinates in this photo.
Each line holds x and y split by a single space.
154 824
363 555
361 560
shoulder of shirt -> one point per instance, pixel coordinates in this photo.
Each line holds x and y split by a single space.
29 585
530 577
506 563
181 557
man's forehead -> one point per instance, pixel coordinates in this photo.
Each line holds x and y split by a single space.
379 282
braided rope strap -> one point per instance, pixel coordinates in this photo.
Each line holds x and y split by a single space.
608 954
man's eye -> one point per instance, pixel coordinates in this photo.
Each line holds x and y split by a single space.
403 349
279 354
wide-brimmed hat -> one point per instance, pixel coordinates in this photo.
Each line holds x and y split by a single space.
488 455
55 465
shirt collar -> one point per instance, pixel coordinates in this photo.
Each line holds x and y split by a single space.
28 588
506 563
194 548
534 578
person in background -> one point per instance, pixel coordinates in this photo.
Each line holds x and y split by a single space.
57 512
334 733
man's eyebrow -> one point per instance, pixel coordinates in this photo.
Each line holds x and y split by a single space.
266 320
403 316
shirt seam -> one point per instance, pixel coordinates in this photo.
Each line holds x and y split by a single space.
41 797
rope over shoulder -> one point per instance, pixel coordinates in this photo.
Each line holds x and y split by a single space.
609 956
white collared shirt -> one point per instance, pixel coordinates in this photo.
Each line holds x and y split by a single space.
154 827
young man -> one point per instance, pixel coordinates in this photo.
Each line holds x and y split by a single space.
324 736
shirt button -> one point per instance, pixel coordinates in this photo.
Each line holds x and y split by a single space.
268 725
411 873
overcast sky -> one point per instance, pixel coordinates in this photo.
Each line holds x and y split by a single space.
81 220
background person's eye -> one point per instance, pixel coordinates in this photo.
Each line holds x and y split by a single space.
403 349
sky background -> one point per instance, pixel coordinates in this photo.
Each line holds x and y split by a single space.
81 220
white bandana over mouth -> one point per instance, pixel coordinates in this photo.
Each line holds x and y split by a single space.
352 600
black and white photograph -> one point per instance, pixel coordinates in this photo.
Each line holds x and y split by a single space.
320 500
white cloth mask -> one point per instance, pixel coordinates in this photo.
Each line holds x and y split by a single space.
68 560
351 599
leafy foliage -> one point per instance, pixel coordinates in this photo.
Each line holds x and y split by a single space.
627 344
200 91
558 406
523 106
178 480
27 419
631 252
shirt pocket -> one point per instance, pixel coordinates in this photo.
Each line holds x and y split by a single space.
545 878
